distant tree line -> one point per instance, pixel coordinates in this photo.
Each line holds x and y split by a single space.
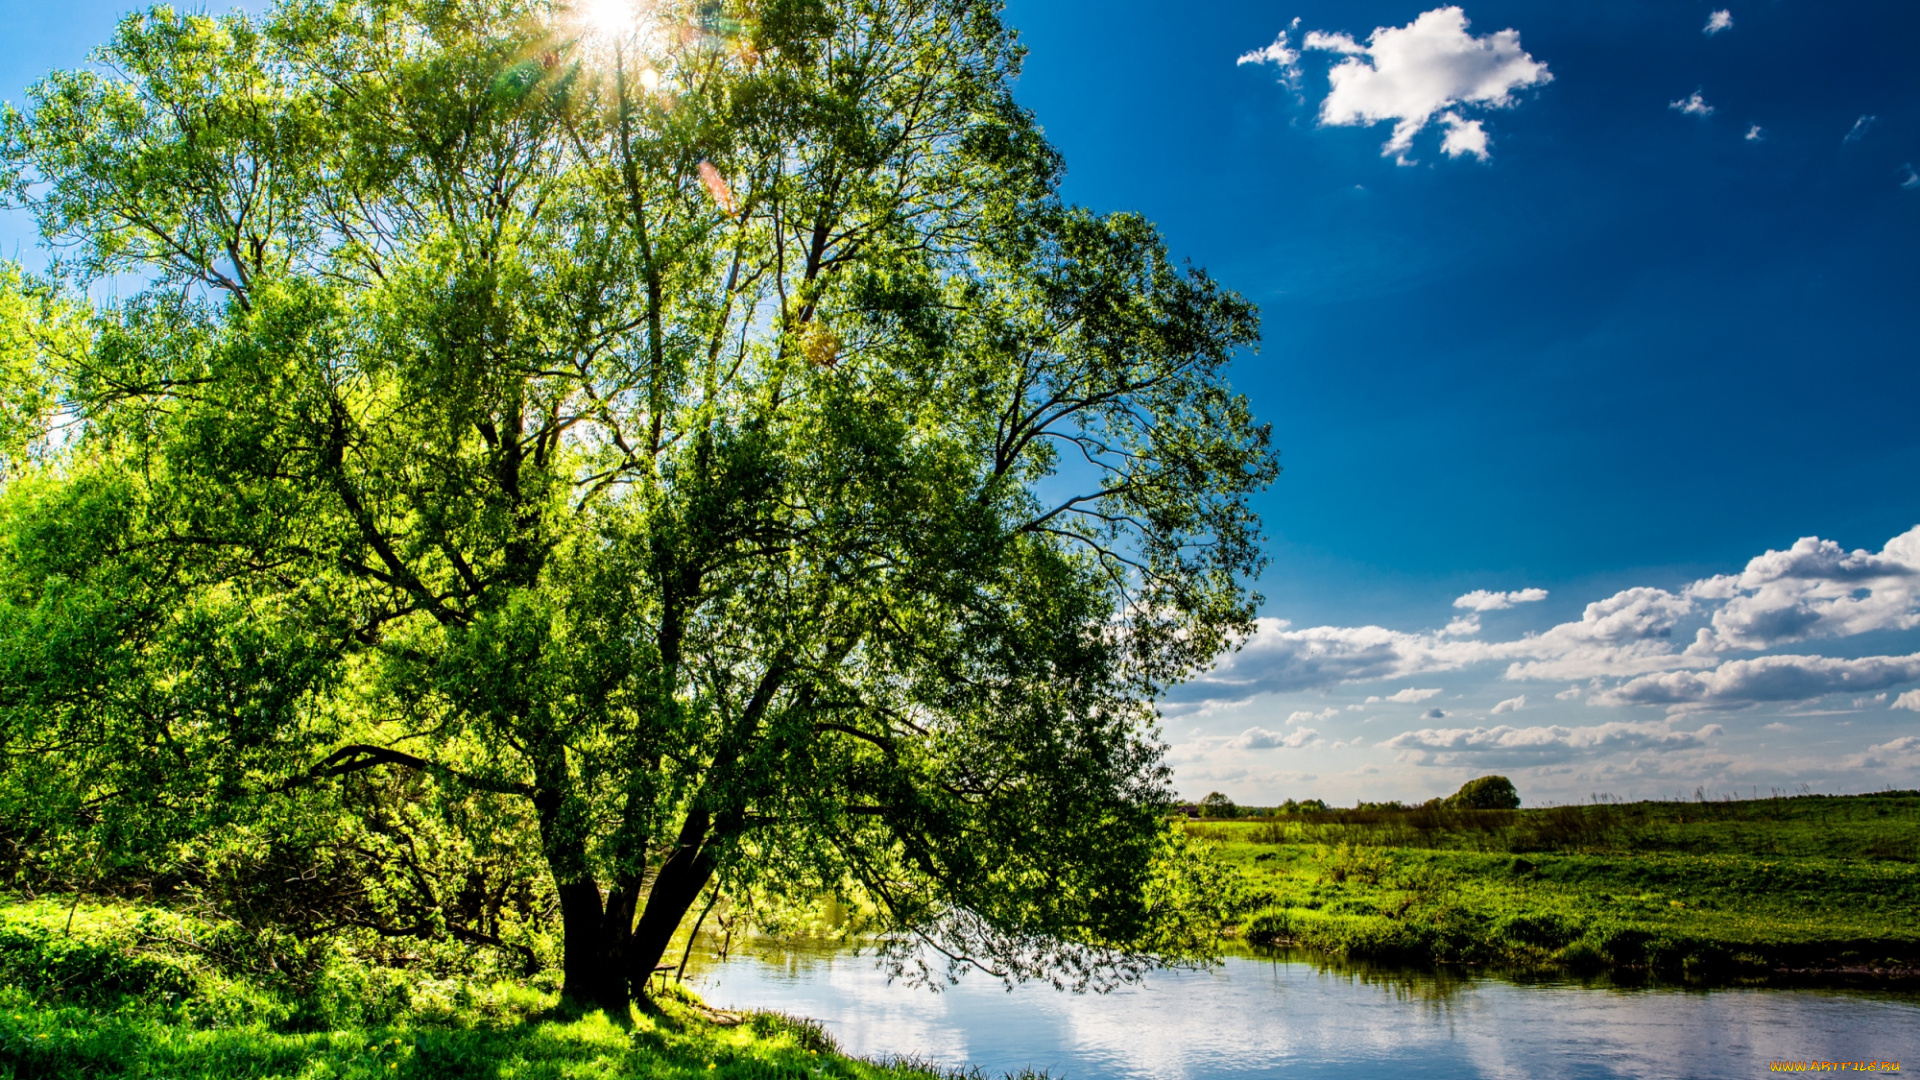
1482 793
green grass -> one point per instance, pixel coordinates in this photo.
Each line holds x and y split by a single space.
1762 888
138 991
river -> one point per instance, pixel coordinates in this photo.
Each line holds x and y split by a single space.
1277 1014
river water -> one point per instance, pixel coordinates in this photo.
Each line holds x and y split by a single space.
1286 1015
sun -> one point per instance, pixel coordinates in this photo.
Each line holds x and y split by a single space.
608 18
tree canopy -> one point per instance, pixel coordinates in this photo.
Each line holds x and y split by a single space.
1486 793
672 445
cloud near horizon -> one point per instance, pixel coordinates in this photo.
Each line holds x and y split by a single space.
1512 746
1813 590
1430 69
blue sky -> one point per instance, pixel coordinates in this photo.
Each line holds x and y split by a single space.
1580 333
1632 349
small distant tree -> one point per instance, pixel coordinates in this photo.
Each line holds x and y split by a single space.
1218 805
1486 793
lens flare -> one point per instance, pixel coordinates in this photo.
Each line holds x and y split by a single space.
649 79
717 187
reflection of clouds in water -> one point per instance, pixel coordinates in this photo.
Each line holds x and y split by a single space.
1254 1018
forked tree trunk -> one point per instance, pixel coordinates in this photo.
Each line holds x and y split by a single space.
675 889
591 946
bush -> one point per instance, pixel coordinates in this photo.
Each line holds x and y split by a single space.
1486 793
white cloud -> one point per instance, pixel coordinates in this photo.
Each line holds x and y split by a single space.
1692 105
1860 129
1718 21
1514 704
1463 626
1276 53
1410 74
1482 600
1863 702
1756 133
1816 589
1912 182
1908 700
1409 696
1302 716
1902 753
1571 693
1464 137
1280 659
1628 633
1340 43
1738 684
1256 738
1538 745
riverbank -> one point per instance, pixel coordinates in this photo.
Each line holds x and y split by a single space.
132 990
1806 888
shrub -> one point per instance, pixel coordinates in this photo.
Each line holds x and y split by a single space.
1487 793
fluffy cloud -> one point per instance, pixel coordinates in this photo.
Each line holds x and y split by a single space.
1514 704
1908 700
1410 74
1541 745
1718 21
1482 600
1628 633
1738 684
1302 716
1692 105
1276 53
1816 589
1464 137
1756 133
1409 696
1256 738
1901 753
1280 659
1860 129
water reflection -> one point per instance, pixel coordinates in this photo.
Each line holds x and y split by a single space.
1265 1014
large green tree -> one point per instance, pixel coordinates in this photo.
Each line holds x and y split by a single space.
702 425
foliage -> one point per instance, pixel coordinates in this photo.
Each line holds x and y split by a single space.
1486 793
1707 889
1216 805
705 453
139 991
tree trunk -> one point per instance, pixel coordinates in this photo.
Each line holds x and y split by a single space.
583 943
594 934
675 889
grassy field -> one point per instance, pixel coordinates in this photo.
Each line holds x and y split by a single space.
1809 886
126 990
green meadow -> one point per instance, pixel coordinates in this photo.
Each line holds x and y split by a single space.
1808 886
134 990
